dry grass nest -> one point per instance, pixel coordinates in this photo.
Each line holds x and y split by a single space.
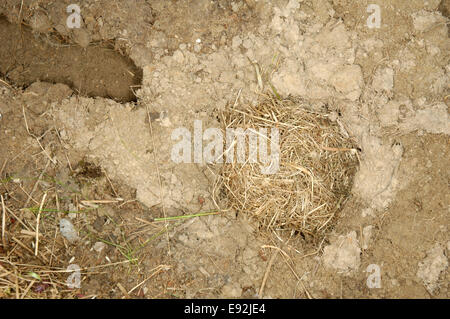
317 164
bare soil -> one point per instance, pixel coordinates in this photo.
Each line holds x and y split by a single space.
100 156
27 58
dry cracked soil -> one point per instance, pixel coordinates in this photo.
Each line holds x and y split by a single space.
86 120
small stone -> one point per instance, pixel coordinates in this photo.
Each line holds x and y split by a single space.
99 246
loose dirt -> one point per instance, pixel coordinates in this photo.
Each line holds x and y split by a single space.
97 70
106 166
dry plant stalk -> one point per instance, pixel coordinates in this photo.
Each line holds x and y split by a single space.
317 165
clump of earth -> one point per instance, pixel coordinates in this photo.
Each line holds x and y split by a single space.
387 88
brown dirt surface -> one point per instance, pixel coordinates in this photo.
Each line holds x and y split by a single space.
88 115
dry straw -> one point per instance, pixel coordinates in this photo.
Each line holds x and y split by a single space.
317 165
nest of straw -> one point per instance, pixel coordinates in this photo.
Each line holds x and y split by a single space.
316 169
